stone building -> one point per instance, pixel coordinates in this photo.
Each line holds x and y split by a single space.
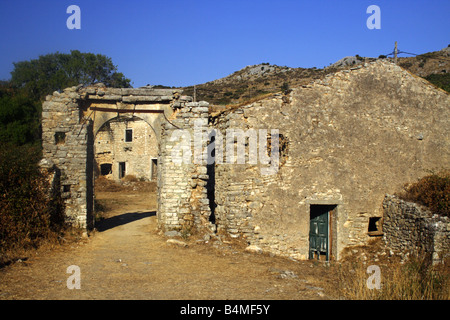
126 145
344 141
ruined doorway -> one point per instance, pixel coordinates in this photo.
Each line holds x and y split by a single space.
320 218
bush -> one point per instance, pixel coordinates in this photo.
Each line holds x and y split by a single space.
28 212
432 191
440 80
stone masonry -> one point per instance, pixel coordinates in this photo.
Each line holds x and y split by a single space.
411 228
183 205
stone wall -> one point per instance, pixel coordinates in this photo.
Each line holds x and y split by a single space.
411 228
67 141
348 139
183 204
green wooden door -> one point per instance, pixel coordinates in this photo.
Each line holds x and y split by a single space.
318 232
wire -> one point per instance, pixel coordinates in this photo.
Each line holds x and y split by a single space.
415 54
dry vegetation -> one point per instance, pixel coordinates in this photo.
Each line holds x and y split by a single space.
432 191
410 278
29 215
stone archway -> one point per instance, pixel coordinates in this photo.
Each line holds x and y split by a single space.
70 121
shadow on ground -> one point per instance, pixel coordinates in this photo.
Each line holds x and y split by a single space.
122 219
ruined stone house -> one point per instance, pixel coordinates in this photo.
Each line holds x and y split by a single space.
344 142
126 145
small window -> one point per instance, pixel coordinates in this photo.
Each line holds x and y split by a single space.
374 228
60 137
128 135
66 188
154 169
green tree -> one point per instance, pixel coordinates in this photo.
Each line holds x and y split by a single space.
56 71
19 117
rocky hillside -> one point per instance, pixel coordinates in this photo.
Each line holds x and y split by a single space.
256 81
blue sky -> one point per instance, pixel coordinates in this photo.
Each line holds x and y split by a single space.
181 43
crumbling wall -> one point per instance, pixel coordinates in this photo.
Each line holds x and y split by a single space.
411 228
65 140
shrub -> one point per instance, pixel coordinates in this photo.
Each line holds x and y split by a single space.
432 191
285 88
28 212
440 80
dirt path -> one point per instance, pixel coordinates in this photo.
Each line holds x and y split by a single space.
127 259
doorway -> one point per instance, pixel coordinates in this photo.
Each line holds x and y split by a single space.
122 169
320 217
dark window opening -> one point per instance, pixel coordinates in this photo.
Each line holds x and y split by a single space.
66 188
128 135
60 137
105 169
375 226
122 170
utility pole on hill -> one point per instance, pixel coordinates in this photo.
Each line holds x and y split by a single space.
395 53
195 93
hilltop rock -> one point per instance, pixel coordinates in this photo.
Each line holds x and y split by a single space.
346 61
445 51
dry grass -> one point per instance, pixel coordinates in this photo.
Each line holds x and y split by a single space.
413 278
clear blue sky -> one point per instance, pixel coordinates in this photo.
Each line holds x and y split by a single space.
180 43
